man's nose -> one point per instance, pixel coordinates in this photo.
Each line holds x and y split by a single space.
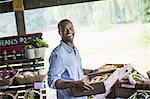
69 31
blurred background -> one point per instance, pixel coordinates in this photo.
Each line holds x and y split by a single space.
109 31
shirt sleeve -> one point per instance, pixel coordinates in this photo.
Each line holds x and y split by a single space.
55 69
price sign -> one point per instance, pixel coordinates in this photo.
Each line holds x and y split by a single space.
18 42
39 85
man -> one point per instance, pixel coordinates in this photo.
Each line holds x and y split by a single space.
65 69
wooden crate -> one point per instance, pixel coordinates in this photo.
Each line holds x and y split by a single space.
99 87
124 89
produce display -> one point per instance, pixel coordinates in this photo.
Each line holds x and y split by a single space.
107 67
7 74
6 77
105 73
30 76
32 94
141 95
17 73
135 78
97 78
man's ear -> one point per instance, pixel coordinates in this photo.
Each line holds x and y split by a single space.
59 32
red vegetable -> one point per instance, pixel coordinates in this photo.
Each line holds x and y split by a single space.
8 74
1 74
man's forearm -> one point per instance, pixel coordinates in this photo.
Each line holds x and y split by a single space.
60 84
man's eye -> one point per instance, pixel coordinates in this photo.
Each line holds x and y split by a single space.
63 30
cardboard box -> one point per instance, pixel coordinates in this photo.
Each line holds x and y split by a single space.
99 87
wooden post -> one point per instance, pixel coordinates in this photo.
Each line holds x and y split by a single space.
18 7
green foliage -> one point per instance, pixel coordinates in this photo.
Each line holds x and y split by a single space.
29 47
31 95
41 43
91 96
146 1
145 18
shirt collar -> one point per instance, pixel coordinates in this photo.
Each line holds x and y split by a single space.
68 48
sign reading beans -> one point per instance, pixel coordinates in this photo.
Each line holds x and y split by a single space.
18 43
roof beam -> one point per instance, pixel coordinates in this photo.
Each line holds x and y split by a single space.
33 4
6 7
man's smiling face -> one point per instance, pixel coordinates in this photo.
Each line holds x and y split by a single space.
66 31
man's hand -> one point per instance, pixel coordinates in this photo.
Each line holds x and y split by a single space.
83 85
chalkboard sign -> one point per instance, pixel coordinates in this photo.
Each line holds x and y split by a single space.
17 43
19 40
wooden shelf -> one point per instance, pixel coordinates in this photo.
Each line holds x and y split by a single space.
23 86
17 61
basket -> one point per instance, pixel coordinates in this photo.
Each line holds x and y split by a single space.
30 79
8 81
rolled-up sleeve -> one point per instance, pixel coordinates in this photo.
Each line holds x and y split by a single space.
55 69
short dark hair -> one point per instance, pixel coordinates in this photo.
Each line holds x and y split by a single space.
62 21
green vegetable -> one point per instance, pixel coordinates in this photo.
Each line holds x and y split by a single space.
29 47
91 96
138 77
41 43
134 97
31 95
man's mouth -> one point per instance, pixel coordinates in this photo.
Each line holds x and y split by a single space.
68 35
